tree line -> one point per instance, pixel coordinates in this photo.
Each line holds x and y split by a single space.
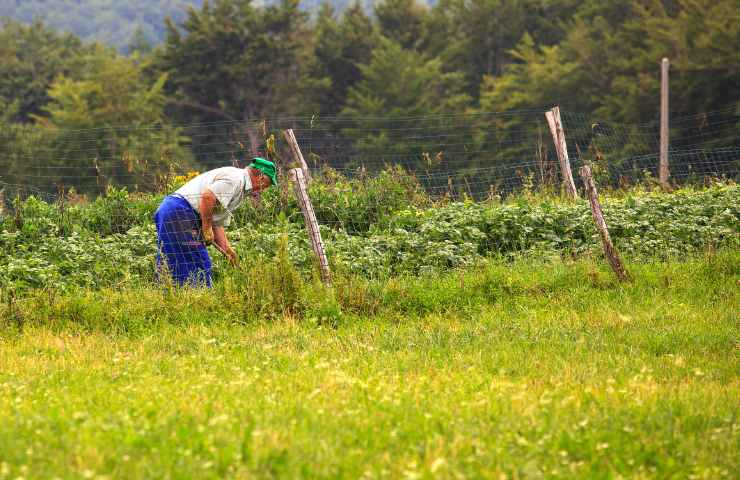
233 62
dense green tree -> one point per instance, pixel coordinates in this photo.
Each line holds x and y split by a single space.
233 61
539 75
31 56
614 69
230 63
109 124
476 36
610 72
402 21
324 62
397 84
16 148
700 37
341 45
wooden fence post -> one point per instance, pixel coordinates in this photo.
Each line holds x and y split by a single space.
312 226
611 253
664 132
558 137
296 152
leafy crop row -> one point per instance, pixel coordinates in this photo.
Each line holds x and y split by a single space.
375 228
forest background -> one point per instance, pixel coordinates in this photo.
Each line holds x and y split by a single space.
127 81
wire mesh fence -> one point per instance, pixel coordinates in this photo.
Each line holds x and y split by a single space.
454 156
703 148
475 155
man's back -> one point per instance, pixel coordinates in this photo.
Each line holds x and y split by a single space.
228 184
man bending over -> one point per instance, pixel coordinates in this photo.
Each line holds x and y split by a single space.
196 214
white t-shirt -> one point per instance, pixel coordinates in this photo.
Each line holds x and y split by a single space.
230 186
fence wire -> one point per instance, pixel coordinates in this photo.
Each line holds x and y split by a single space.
702 148
475 155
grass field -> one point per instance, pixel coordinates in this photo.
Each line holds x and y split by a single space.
528 369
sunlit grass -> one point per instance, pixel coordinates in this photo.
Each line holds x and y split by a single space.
531 369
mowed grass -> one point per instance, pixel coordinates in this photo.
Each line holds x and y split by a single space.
530 369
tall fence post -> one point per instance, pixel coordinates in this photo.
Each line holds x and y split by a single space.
611 253
663 172
558 137
295 151
312 226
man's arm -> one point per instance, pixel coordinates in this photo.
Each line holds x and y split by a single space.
223 245
207 204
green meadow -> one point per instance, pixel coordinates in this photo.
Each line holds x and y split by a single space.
525 367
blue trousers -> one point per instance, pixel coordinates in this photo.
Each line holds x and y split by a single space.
180 243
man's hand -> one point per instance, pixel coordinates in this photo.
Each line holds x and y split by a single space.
208 235
233 259
223 245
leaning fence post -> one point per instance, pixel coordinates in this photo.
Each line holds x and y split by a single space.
558 137
611 253
312 226
296 152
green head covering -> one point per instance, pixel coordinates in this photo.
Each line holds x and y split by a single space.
266 167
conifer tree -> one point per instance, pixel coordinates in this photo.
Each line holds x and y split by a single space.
236 62
340 46
397 84
402 21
